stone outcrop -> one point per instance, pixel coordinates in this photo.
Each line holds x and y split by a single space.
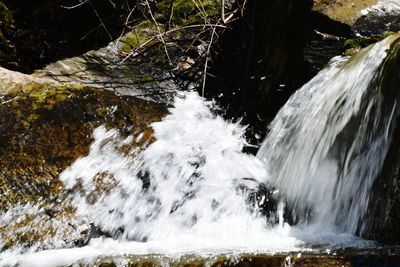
346 11
382 221
45 127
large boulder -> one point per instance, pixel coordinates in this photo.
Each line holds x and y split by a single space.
45 127
346 11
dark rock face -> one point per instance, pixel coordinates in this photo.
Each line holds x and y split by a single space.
327 41
45 31
383 220
325 24
261 63
374 23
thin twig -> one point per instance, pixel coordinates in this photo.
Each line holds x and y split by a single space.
75 6
224 19
206 63
159 32
170 14
168 32
100 19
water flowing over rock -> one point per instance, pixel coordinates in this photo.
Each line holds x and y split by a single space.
90 175
383 16
188 181
44 127
328 144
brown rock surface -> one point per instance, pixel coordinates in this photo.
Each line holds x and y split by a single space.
346 11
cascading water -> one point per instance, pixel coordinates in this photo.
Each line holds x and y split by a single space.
190 190
383 8
189 180
328 143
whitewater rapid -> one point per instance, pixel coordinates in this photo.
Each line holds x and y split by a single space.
194 199
194 191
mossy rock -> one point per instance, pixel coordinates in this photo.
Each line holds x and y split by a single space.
187 12
139 36
44 128
353 45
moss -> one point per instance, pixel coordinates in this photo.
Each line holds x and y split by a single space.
388 33
187 12
45 96
139 36
41 96
148 78
353 45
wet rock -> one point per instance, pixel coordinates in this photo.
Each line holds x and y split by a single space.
45 127
279 260
324 24
382 220
381 17
384 215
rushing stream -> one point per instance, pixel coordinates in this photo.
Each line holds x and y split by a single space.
193 190
328 143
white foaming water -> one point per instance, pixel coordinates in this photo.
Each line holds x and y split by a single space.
328 143
185 183
383 8
184 193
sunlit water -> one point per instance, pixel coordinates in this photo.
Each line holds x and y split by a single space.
328 143
191 190
383 8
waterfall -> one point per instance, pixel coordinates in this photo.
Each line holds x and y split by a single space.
194 190
327 145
